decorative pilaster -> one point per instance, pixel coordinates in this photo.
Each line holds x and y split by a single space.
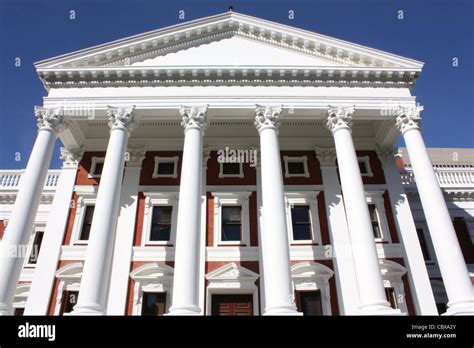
446 245
97 267
188 234
50 122
279 298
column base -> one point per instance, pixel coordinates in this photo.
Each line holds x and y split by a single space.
5 310
284 311
88 309
185 310
460 308
378 308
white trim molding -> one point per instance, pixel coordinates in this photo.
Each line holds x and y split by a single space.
231 199
69 280
165 199
37 228
85 199
366 161
296 159
151 277
375 197
231 279
162 159
392 273
21 296
306 198
94 161
221 170
310 276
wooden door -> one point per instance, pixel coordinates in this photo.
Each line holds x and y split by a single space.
241 305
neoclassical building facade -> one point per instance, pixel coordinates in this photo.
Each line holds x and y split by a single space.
234 166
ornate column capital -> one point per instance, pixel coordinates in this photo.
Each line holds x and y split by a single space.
122 117
339 118
408 117
386 153
135 157
193 117
71 157
267 117
326 156
50 118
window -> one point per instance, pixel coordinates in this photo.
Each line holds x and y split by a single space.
309 302
296 166
161 223
19 312
231 223
423 244
154 303
35 248
69 300
391 297
97 167
230 170
300 218
376 206
364 166
166 167
375 221
87 223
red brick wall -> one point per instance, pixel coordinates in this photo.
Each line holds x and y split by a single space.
2 229
139 219
70 220
85 168
213 173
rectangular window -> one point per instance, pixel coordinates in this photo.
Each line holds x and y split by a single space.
375 221
363 167
296 168
166 168
231 223
309 302
19 312
161 223
35 249
99 167
423 245
231 168
87 223
301 223
391 297
68 302
154 303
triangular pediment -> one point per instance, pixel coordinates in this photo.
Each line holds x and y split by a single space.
231 271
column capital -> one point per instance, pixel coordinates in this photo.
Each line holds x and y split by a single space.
326 156
71 157
50 118
339 118
206 154
122 117
386 153
135 157
267 117
408 117
193 117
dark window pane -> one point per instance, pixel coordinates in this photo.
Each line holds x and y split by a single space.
231 168
99 166
442 308
19 312
69 300
166 168
391 297
296 167
161 224
301 223
309 302
231 223
36 247
424 247
154 303
363 167
86 225
375 221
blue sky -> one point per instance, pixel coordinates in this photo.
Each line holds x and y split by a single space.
432 31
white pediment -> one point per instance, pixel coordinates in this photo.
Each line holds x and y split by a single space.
231 271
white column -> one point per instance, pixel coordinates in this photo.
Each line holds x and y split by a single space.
346 280
43 280
371 291
417 273
446 245
279 297
95 278
120 274
186 265
17 234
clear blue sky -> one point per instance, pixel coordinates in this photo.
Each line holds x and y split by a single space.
432 31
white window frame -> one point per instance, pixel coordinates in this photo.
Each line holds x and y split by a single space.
303 159
366 160
83 201
94 162
22 292
429 244
308 199
376 198
29 249
165 199
231 279
161 159
151 278
69 280
222 175
392 273
311 276
231 199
